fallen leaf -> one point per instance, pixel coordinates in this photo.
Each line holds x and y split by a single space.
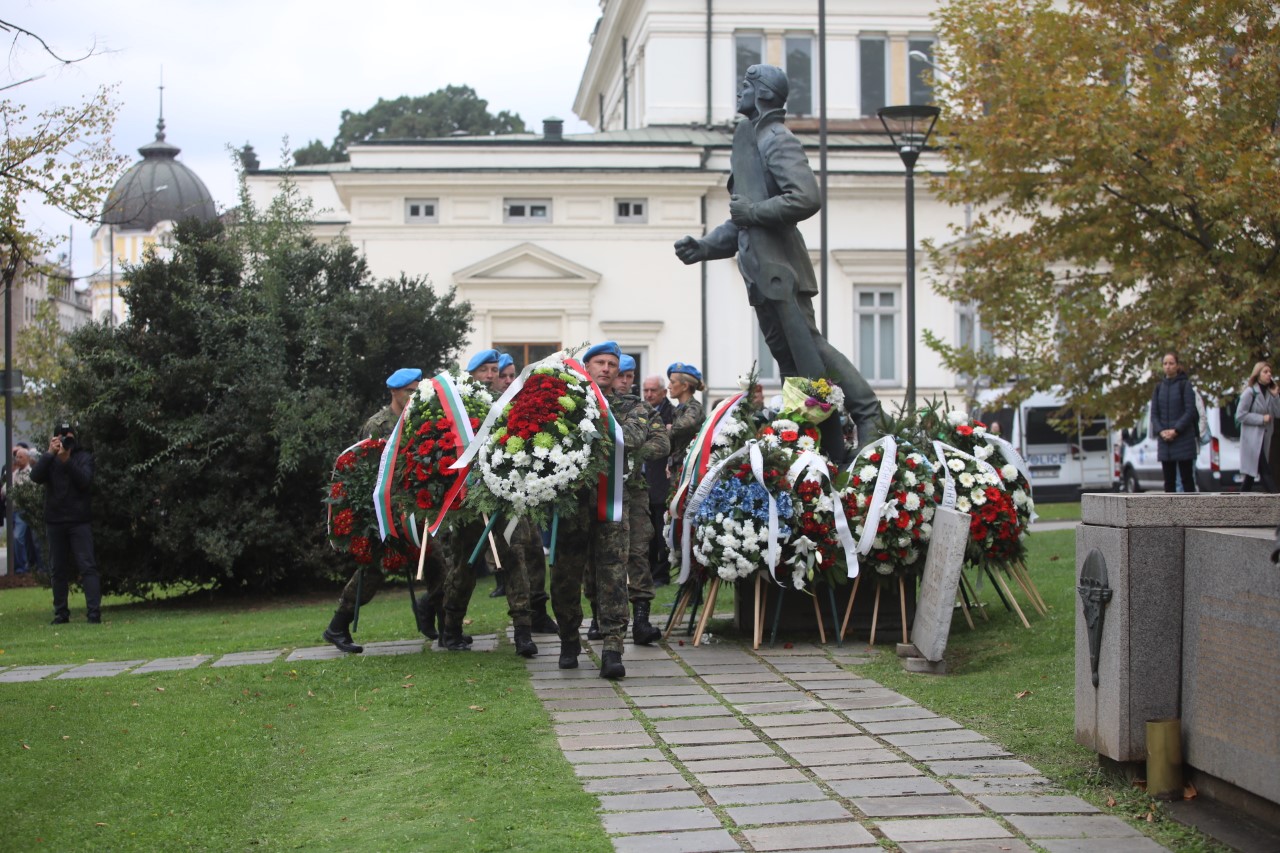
1151 817
1053 559
406 685
66 737
472 707
1023 695
1111 802
1189 792
471 820
410 675
787 646
267 726
133 704
99 823
1140 784
466 621
362 708
344 818
312 695
159 689
24 746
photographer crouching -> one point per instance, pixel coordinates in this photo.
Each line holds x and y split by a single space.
66 471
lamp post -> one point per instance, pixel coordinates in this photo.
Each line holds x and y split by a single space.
909 128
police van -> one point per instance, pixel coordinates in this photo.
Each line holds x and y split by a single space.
1064 459
1217 463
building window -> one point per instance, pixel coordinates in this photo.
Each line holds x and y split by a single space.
800 75
750 51
419 210
920 90
877 324
631 210
525 353
970 335
873 66
526 210
766 368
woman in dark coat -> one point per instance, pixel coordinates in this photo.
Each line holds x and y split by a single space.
1175 423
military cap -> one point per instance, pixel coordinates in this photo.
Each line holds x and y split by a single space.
403 377
505 361
487 356
606 348
626 363
681 367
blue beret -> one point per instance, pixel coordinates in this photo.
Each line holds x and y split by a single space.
606 348
486 356
403 377
505 361
626 363
681 367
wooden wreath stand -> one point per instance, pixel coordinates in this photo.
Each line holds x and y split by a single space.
759 608
875 611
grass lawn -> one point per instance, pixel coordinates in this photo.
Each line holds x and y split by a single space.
1017 687
1058 512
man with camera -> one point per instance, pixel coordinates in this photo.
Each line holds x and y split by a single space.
66 471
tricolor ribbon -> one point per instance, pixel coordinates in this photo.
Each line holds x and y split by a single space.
756 458
386 475
697 458
609 489
810 461
452 403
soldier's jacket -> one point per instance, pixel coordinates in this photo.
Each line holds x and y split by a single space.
684 429
632 411
380 425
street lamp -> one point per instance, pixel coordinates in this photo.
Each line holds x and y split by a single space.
909 128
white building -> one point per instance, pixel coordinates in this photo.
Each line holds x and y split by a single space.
558 240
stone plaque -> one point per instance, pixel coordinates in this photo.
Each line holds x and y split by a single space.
937 600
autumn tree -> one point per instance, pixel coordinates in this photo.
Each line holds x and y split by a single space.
444 111
1123 162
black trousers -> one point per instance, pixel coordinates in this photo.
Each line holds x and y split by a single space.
659 562
71 549
1265 482
1185 467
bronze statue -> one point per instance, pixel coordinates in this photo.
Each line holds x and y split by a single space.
771 189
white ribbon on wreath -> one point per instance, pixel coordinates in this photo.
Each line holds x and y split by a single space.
811 461
752 450
875 507
1014 458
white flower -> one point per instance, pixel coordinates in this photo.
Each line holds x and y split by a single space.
978 497
956 465
982 451
904 541
1020 498
966 480
868 472
806 443
929 489
909 478
884 568
963 505
861 501
927 512
1009 472
957 416
926 531
912 503
782 425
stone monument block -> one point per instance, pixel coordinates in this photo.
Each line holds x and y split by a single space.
936 601
1231 659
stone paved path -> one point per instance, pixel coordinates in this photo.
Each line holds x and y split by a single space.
721 748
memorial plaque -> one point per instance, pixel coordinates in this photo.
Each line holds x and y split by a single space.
942 567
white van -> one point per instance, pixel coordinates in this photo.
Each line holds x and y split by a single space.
1063 462
1217 466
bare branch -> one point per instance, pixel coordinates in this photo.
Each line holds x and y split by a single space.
8 26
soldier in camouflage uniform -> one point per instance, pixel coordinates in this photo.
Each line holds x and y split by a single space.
657 446
460 577
682 381
604 544
368 579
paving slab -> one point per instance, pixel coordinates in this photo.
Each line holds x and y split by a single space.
915 806
651 690
104 669
983 767
653 669
891 787
316 653
922 724
699 698
927 738
662 820
632 681
898 712
693 724
844 768
577 692
847 743
32 672
815 718
626 768
585 704
725 668
827 730
942 829
609 742
630 784
873 701
1002 845
728 750
1036 804
716 710
695 738
1036 827
882 770
705 841
601 727
814 837
955 751
1002 784
760 677
173 664
248 658
745 795
755 697
408 647
844 681
788 813
733 778
780 707
870 755
585 670
651 801
725 765
613 756
1101 845
620 714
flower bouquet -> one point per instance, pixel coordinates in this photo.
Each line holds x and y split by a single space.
814 549
439 423
731 521
352 525
549 443
811 399
890 497
789 435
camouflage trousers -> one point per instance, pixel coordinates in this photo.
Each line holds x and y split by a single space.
460 576
639 531
598 547
433 570
527 541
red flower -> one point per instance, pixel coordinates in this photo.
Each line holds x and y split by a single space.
393 560
424 499
343 522
903 521
359 549
790 435
964 429
337 490
346 462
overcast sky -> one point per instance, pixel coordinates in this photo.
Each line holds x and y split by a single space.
256 71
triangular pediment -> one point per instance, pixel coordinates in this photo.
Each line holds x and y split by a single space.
527 264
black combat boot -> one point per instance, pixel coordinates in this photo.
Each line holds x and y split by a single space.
541 622
500 588
339 633
525 646
611 665
643 633
425 616
593 632
451 636
569 651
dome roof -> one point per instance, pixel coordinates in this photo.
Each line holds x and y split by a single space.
157 189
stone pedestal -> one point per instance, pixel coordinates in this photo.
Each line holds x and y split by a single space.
1144 541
